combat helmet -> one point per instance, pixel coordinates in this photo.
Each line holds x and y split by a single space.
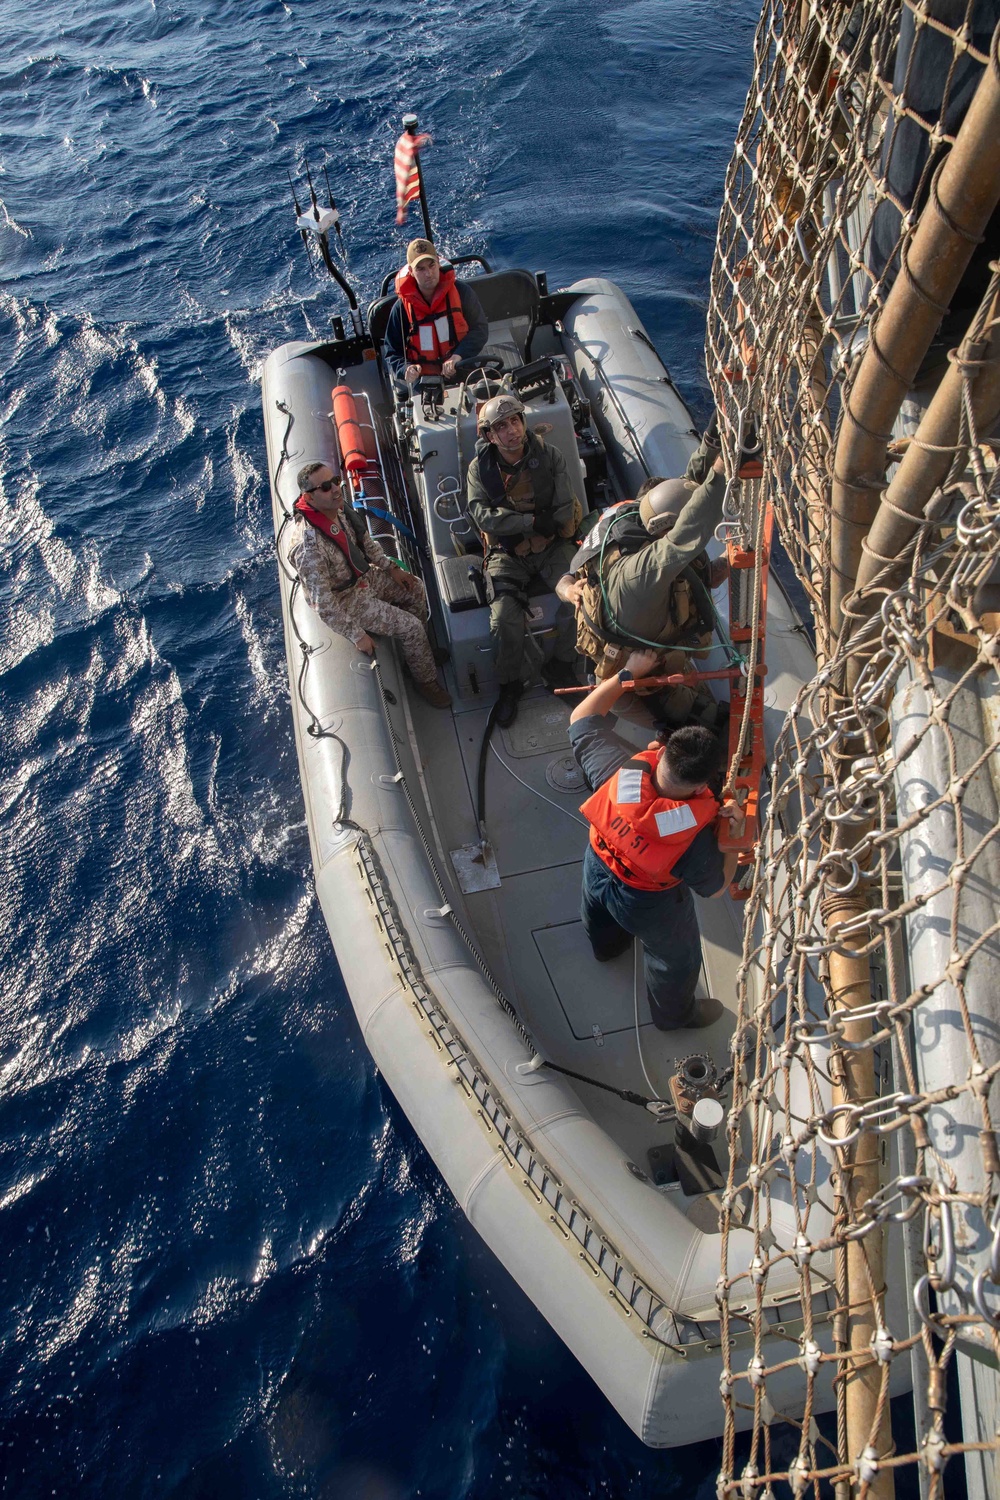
659 509
498 407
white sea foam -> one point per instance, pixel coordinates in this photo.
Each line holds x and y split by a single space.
21 1188
185 416
11 223
218 1298
246 475
251 348
203 484
264 658
267 1263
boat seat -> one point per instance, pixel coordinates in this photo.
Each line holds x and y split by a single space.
503 294
378 317
461 583
507 294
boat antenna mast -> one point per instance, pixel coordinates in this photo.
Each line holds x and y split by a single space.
315 223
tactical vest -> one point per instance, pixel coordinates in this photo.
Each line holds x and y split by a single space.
500 483
688 618
638 834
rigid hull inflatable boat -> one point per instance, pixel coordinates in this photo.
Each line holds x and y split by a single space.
448 870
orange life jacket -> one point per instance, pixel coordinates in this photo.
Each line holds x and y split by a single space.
638 834
431 330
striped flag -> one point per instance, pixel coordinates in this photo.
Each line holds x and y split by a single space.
407 171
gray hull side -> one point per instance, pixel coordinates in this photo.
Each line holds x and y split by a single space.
627 384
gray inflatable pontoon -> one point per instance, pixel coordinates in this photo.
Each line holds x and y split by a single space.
460 943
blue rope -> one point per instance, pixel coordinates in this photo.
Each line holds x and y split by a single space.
386 515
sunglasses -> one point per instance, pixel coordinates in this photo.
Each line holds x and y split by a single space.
327 485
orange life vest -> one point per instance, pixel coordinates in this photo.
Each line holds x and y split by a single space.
638 834
431 330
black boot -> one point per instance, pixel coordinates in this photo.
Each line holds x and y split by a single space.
560 674
506 709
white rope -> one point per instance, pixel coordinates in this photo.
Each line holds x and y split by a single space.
527 785
637 969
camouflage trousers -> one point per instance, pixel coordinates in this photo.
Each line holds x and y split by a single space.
396 604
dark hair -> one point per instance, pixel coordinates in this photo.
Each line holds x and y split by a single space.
692 754
305 474
649 484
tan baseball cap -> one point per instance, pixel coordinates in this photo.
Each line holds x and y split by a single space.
418 250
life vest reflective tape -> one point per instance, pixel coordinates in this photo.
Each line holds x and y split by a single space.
432 329
674 820
629 784
434 336
638 834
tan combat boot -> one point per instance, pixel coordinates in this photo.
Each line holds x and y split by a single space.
433 693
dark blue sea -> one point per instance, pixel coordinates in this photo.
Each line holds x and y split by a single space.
227 1267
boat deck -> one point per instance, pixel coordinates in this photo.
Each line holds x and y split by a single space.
583 1015
593 1018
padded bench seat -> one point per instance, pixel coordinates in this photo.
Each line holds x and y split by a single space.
461 580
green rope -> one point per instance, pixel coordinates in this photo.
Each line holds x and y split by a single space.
735 659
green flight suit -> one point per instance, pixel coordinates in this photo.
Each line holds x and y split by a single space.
504 501
637 585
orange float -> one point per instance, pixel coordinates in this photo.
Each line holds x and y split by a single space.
353 457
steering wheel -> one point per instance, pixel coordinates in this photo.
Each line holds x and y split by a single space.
491 365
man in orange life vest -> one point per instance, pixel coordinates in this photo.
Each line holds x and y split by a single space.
436 321
652 841
353 585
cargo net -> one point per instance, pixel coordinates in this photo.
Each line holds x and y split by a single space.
854 334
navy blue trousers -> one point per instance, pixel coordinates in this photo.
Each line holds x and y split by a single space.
666 924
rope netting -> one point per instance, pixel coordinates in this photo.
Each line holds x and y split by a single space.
855 324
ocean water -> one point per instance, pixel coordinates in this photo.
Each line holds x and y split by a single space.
228 1268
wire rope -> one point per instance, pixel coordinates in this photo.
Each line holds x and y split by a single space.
527 785
637 969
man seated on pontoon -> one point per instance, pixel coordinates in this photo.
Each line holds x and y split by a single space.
436 321
353 585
